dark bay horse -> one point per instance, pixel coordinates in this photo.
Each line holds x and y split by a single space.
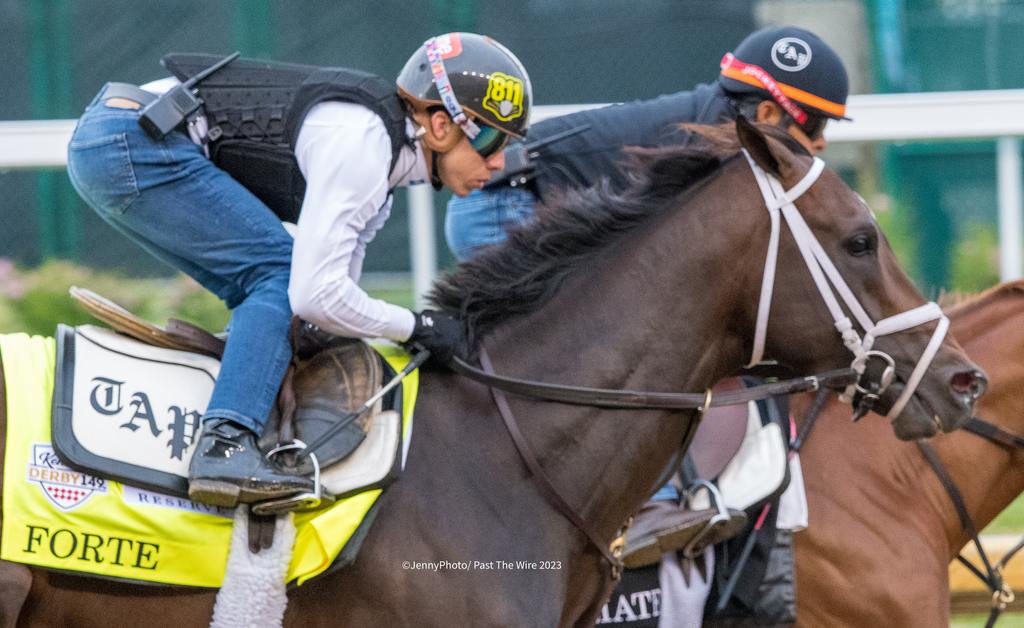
882 529
654 289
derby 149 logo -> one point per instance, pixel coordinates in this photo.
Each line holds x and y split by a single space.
504 96
65 487
791 54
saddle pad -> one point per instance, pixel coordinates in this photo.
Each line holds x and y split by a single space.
61 518
127 409
758 470
131 411
793 503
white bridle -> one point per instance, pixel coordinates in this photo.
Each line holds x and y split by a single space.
778 200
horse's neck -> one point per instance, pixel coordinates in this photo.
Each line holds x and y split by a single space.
988 475
627 322
864 484
873 526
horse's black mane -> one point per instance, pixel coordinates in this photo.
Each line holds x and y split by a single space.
520 275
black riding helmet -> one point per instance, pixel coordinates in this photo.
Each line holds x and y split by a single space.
487 81
805 68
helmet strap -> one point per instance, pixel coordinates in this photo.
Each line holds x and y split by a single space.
445 90
731 64
435 180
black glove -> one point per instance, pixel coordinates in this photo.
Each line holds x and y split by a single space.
441 334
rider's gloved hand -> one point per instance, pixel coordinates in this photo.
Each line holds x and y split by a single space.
443 335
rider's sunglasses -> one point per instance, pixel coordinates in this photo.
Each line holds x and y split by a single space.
814 126
488 141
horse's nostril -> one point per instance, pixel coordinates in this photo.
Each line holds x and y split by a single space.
972 383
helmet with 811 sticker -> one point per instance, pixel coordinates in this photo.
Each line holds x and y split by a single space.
484 79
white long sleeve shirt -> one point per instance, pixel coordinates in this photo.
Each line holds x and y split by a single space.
343 151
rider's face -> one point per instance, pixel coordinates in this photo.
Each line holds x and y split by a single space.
813 146
463 170
770 113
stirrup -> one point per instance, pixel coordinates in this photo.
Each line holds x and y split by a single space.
299 501
700 541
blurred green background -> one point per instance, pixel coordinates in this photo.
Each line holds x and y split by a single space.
935 200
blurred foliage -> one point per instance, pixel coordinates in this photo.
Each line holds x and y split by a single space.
975 263
1006 620
34 301
895 222
1010 521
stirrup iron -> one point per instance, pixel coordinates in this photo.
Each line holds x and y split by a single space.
698 543
299 501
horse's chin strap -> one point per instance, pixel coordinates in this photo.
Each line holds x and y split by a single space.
781 202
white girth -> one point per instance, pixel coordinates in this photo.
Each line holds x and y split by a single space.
778 200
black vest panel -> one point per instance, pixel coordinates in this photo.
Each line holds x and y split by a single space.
255 110
583 159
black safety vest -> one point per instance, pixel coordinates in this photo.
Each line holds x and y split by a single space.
583 159
255 110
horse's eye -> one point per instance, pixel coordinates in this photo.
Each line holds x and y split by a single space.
860 244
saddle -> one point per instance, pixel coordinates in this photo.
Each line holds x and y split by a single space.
327 379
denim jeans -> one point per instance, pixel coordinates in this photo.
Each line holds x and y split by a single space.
176 204
667 492
479 219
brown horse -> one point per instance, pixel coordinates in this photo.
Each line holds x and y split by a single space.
882 528
655 289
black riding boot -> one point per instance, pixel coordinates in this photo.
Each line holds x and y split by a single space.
228 468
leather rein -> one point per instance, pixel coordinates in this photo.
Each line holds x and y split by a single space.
647 400
624 399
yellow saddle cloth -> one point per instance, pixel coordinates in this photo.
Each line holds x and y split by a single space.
56 517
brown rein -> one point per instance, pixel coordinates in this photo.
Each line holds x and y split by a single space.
648 400
611 398
992 575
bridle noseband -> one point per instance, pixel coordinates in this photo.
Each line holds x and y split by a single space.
781 202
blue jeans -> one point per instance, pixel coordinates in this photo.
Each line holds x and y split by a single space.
667 492
479 219
171 200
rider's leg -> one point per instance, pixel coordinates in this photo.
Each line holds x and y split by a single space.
174 202
481 218
668 492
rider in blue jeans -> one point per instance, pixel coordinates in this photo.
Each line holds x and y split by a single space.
323 147
783 76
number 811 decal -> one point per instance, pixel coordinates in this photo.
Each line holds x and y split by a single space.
504 96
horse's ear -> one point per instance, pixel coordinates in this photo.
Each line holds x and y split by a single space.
757 145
